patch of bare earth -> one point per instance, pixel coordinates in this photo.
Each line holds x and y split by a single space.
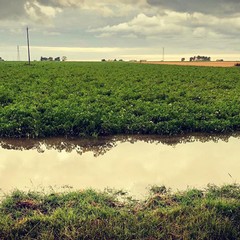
205 64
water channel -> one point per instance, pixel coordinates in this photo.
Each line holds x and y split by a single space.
132 163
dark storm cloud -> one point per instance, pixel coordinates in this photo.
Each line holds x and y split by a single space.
36 9
53 3
28 9
60 3
12 9
213 7
9 9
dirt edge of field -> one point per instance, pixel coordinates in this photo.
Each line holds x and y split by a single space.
201 64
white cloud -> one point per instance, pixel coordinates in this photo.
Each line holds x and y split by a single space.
40 13
147 25
51 33
105 35
110 8
172 23
106 8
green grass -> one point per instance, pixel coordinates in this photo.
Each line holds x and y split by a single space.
91 99
193 214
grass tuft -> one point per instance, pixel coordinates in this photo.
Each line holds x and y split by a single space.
213 213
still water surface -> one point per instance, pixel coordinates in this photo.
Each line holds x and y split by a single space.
130 163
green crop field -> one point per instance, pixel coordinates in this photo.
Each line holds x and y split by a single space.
91 99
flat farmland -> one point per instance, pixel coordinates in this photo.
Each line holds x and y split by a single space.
204 64
101 98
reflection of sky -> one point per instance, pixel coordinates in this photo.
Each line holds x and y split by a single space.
128 166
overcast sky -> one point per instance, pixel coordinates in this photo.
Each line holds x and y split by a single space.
126 29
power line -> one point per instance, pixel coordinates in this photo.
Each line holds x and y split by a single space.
163 53
18 53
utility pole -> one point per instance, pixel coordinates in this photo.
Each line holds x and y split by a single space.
18 53
163 53
29 60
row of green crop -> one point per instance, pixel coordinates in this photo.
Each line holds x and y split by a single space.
49 99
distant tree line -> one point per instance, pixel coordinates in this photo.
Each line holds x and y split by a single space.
57 59
200 58
111 60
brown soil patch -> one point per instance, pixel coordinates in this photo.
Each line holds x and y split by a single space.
205 64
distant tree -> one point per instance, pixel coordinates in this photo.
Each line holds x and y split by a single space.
103 60
44 59
64 58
